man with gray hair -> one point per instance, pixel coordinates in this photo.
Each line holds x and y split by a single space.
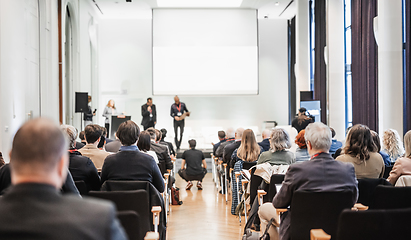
321 174
265 143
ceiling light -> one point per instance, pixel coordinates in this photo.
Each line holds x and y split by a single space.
199 3
277 3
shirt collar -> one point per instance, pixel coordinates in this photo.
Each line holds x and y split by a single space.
129 148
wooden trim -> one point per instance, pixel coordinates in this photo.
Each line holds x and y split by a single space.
60 63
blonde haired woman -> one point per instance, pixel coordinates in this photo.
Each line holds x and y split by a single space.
392 145
278 153
249 151
403 165
109 110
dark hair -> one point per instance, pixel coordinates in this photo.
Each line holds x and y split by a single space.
149 99
221 134
376 140
152 133
302 110
332 132
163 133
359 142
38 144
102 141
104 129
81 135
158 135
192 143
144 141
128 133
92 132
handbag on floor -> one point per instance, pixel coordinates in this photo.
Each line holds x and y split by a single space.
249 235
175 196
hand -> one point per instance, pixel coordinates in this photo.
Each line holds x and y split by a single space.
212 143
94 114
188 114
177 118
149 108
155 123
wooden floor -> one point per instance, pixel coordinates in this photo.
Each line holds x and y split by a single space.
203 215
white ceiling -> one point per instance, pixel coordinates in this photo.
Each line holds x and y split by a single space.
142 8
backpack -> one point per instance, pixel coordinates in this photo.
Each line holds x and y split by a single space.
175 196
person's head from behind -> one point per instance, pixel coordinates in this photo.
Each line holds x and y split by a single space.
163 133
158 135
392 143
71 134
192 143
279 140
149 101
230 133
144 141
221 135
89 98
152 133
266 134
82 136
128 133
359 142
318 138
93 133
300 139
376 140
177 99
333 133
407 144
239 133
39 154
249 150
302 111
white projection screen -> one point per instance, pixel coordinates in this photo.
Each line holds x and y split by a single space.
205 52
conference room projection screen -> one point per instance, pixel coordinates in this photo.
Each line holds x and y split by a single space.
205 52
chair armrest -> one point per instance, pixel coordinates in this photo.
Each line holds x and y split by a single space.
260 194
152 236
236 174
319 234
281 210
359 207
156 217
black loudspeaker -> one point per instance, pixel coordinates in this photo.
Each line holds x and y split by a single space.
81 102
306 95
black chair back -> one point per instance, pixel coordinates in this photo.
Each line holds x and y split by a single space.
272 190
387 171
366 189
129 220
374 224
389 197
81 187
133 200
313 210
248 165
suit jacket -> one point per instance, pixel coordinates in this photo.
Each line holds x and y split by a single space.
220 149
96 155
169 145
146 114
215 147
265 144
38 211
132 165
228 151
162 154
83 169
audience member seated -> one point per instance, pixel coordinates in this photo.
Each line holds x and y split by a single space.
221 139
230 135
33 208
302 120
1 160
335 144
196 168
129 163
301 153
169 144
113 146
392 145
79 144
82 137
361 151
144 144
278 153
403 165
81 167
102 143
377 142
105 134
229 149
248 151
159 149
265 144
338 152
320 174
93 134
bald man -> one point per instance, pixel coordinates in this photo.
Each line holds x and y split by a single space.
177 113
265 144
33 208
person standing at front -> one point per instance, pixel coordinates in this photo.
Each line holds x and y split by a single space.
149 113
178 112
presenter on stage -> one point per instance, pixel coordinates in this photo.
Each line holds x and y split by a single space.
88 116
149 113
109 110
178 112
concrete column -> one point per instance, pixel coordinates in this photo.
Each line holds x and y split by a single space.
390 86
335 67
302 65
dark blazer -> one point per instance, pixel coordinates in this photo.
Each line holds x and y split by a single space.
162 154
83 169
174 111
169 145
38 211
220 149
132 165
215 147
228 151
79 145
320 174
265 144
146 114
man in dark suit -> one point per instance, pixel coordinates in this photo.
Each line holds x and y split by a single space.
33 208
178 112
265 144
149 113
160 149
221 138
229 149
321 174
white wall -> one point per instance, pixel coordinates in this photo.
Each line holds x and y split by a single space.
126 76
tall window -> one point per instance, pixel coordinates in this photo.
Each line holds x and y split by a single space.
347 61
